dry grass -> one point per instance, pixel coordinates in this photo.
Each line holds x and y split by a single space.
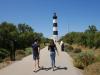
96 52
93 69
83 48
5 62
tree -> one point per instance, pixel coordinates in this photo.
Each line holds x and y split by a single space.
7 34
97 40
91 29
89 38
90 32
83 39
5 30
20 37
24 28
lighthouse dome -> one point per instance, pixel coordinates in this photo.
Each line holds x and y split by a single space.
54 16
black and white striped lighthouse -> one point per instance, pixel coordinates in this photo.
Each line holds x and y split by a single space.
55 28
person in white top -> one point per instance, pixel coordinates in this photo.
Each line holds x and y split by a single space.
62 45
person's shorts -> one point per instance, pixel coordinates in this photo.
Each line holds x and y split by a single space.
35 56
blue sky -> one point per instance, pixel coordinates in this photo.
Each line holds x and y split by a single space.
78 14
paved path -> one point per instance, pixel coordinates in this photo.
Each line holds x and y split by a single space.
25 66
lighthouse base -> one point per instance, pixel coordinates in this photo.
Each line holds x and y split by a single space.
55 38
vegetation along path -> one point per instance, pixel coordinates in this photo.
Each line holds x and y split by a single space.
64 65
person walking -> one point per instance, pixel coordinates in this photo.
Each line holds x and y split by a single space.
53 49
36 52
62 45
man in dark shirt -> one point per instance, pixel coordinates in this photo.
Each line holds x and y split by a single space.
36 51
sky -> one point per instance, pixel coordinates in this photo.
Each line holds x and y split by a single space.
73 15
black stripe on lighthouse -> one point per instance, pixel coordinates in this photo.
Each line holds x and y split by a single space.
54 24
55 32
54 17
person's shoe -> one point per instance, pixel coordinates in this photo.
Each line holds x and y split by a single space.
39 67
34 70
53 69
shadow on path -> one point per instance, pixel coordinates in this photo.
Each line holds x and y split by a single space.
43 68
49 68
60 68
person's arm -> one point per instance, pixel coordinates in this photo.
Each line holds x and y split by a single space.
32 47
39 49
49 47
56 50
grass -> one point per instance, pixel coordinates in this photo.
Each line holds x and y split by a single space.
83 49
93 69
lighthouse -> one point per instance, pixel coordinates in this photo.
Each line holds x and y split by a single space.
55 28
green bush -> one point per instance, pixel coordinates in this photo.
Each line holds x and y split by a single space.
84 59
3 53
28 51
77 50
97 43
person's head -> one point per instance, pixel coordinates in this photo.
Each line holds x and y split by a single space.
35 41
62 41
52 42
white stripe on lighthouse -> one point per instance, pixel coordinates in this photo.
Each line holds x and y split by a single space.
54 20
55 29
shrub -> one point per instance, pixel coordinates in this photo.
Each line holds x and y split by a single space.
1 59
77 50
3 53
97 43
98 58
68 48
84 59
93 69
20 54
28 51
